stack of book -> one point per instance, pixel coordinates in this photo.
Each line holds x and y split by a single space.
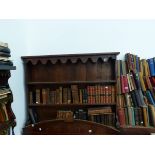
6 114
103 115
65 115
5 54
135 94
92 94
81 114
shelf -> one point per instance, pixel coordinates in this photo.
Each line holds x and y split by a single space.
69 105
74 58
7 67
73 82
137 130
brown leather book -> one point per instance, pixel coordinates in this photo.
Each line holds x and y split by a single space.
37 96
60 95
151 110
145 116
75 95
64 95
30 97
44 99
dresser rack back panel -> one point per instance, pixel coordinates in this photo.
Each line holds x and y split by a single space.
70 68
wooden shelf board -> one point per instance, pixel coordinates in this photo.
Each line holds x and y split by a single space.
137 130
7 67
53 105
73 82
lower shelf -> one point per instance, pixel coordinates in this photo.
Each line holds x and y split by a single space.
74 127
137 130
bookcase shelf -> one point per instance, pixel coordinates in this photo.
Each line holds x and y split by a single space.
72 82
70 105
73 79
137 130
7 67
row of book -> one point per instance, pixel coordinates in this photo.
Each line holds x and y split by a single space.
135 92
65 115
134 63
136 116
5 54
5 97
102 115
97 94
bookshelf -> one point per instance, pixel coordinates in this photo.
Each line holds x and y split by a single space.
81 86
135 95
7 117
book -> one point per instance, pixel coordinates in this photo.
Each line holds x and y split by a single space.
2 44
30 97
145 116
151 66
121 116
44 98
64 95
32 116
75 95
131 116
151 109
150 98
142 82
37 96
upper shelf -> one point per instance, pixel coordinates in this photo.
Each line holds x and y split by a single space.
7 67
94 57
74 82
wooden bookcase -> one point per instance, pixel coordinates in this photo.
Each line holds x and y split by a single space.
63 71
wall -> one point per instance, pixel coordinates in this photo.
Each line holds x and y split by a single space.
40 37
12 32
68 36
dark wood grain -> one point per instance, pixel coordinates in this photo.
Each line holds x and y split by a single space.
75 127
53 71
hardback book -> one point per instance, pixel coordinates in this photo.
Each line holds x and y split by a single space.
75 95
131 117
4 112
44 94
64 95
150 98
145 116
32 116
60 95
142 82
151 66
2 44
121 116
37 96
151 109
30 97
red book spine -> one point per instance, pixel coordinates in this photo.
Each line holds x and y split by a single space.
122 84
121 116
126 88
